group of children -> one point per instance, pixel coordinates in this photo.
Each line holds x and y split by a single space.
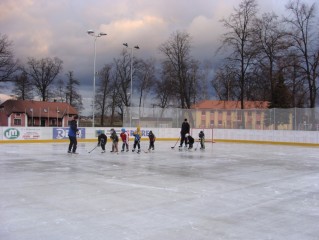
102 140
189 140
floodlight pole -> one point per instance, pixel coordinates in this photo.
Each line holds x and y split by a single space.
91 33
131 70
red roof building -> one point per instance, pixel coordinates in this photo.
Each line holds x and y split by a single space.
26 113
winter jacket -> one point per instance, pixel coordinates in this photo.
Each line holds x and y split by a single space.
73 129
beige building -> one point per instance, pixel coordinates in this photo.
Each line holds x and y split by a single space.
228 114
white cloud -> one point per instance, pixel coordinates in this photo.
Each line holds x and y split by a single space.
40 28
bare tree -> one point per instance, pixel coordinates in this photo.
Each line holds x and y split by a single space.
145 77
123 77
42 74
103 91
225 83
304 34
23 87
163 87
295 81
181 65
59 91
240 40
71 93
271 41
8 64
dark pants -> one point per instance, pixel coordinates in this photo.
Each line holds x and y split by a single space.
73 144
124 144
151 145
183 138
103 144
136 143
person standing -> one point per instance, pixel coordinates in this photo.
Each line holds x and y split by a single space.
73 131
115 141
137 137
201 136
102 140
124 137
184 130
152 138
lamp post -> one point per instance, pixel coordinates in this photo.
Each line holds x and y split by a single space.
95 36
131 97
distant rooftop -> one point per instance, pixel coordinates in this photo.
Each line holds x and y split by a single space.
230 105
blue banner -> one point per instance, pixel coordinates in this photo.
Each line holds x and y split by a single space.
62 133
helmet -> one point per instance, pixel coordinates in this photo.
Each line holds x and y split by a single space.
99 132
112 130
186 135
123 130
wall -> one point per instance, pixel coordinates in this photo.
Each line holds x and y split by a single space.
11 134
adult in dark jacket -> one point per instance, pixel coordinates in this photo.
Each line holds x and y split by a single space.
73 131
184 130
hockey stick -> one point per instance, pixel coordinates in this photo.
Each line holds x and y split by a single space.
175 143
93 149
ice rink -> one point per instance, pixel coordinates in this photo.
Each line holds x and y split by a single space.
228 191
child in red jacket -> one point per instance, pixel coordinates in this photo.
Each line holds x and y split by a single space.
124 136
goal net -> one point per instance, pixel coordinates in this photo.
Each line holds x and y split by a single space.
209 137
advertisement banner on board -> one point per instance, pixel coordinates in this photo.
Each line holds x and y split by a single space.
62 133
21 133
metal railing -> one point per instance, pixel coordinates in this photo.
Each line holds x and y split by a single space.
305 119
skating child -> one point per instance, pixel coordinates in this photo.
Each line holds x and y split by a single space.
124 137
152 138
137 137
102 140
115 141
190 140
201 136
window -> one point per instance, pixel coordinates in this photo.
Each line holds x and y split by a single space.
203 113
17 122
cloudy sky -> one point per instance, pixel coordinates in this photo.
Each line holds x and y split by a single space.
44 28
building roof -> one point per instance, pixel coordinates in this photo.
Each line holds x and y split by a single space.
37 108
230 105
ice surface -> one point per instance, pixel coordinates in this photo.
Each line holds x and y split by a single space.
228 191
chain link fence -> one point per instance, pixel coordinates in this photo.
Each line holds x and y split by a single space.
305 119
